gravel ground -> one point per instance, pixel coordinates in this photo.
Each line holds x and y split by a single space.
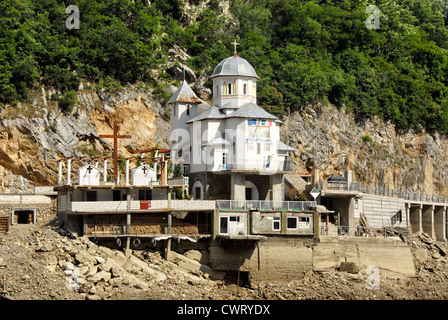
26 273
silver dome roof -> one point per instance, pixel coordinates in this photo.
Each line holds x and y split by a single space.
234 66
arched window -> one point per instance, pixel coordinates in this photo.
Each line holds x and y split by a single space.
234 87
188 109
245 89
230 88
224 88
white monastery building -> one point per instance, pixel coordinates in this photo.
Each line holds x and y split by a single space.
232 150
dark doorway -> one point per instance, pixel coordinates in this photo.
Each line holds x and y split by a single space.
198 193
24 216
248 193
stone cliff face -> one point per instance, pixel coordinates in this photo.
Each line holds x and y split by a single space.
330 138
50 134
377 154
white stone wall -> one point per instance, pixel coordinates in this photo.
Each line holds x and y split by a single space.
379 210
107 206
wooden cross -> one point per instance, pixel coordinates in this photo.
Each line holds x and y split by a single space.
115 136
144 169
234 46
89 168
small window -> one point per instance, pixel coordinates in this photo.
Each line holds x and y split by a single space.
224 160
230 88
267 147
245 88
116 196
188 109
356 204
235 218
291 223
144 194
276 223
91 195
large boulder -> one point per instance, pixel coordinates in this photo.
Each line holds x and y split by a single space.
85 258
184 262
100 276
138 267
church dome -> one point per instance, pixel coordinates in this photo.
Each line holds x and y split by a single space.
234 66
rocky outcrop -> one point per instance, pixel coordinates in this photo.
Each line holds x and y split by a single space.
378 154
29 144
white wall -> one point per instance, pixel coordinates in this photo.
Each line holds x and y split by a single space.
141 178
237 98
91 178
379 210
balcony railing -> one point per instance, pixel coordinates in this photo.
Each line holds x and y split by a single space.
265 205
380 191
121 206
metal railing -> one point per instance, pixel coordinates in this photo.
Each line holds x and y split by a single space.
178 181
356 231
346 186
265 205
380 191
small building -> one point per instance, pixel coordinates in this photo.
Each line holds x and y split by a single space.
232 150
133 212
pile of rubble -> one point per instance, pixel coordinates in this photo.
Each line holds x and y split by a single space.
39 263
44 263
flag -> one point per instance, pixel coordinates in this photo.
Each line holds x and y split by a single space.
268 160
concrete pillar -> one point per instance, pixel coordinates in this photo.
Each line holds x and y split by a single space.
348 174
69 169
128 199
127 250
84 224
167 248
215 224
127 171
415 218
105 171
408 210
315 177
59 172
439 222
428 220
275 184
237 186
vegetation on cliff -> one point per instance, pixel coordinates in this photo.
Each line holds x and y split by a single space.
304 51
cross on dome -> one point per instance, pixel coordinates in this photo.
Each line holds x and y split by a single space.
234 46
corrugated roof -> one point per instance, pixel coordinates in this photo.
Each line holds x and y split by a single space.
282 146
234 66
251 110
211 113
184 94
217 141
